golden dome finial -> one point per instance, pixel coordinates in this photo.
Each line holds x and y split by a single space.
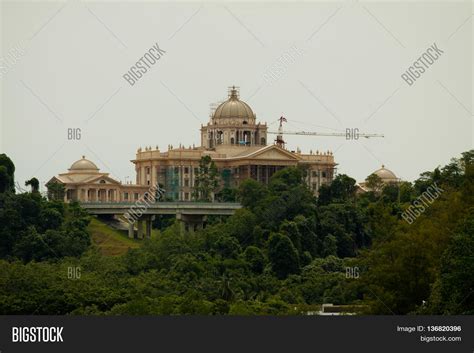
234 92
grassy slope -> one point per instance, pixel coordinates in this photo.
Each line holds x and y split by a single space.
110 241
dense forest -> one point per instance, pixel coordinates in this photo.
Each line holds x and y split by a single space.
284 253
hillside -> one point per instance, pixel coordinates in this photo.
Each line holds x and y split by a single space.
111 242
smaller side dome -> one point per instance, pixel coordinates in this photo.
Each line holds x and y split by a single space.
386 174
83 165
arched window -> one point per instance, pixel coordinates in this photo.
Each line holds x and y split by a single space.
262 141
232 141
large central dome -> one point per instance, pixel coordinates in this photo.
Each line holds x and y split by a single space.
234 108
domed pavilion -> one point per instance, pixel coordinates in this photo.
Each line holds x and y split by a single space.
86 183
386 176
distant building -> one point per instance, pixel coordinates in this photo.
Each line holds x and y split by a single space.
386 176
234 140
238 145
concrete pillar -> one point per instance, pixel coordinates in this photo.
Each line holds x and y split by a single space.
131 232
182 225
148 227
199 226
193 222
140 228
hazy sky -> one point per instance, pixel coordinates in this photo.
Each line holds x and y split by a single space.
72 55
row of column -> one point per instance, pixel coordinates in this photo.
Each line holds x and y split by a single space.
83 194
217 137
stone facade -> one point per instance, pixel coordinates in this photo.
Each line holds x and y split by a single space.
238 145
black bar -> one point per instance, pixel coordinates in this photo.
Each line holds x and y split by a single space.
241 334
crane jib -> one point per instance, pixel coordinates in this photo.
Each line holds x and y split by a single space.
334 134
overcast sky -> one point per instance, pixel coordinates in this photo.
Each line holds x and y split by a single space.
346 74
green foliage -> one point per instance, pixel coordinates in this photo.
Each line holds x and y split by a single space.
342 189
452 293
7 174
284 253
34 183
254 256
250 193
56 191
374 183
32 228
227 194
241 226
206 180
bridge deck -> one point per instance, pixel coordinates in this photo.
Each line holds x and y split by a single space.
190 208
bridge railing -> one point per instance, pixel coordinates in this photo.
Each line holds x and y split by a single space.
164 203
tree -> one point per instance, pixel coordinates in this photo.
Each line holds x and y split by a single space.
406 191
255 258
324 194
206 180
374 183
7 174
250 193
241 226
282 255
343 188
227 195
291 230
329 246
56 191
287 179
34 183
453 292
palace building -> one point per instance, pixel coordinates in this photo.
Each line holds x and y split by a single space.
235 141
239 147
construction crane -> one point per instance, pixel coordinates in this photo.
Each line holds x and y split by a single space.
349 134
